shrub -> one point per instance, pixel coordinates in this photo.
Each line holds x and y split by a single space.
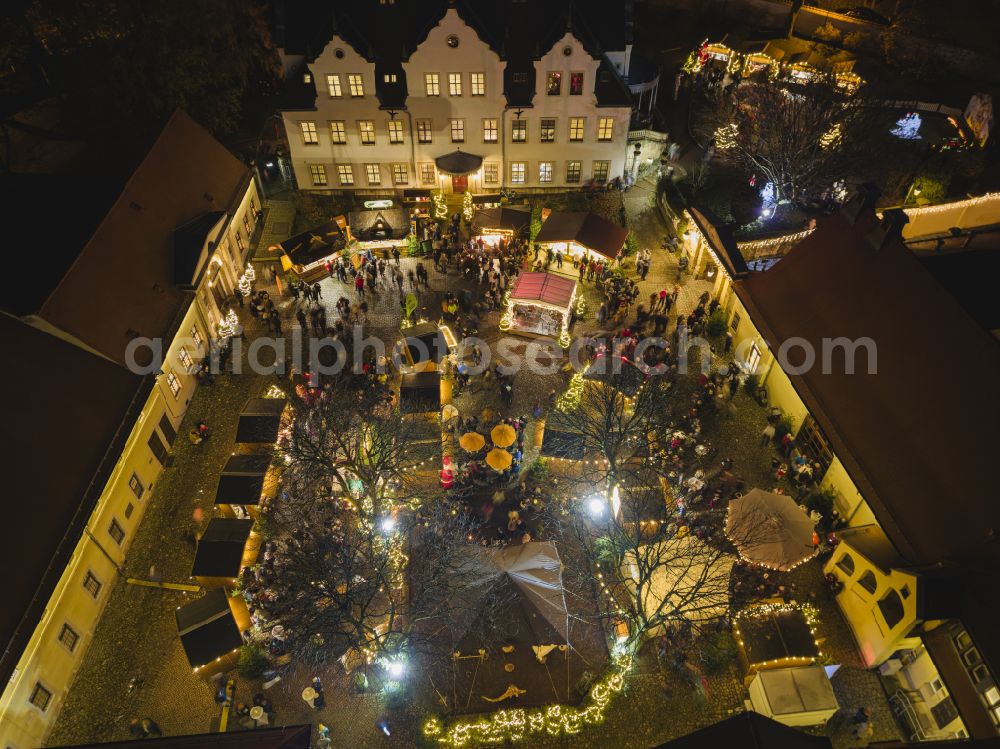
783 427
252 662
750 385
718 652
631 244
538 471
821 501
716 325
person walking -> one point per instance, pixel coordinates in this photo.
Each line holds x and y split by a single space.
359 285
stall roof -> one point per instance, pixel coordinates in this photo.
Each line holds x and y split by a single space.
748 730
516 219
207 628
315 244
420 392
279 737
221 547
425 342
559 444
259 420
776 635
798 690
242 480
365 224
544 287
585 228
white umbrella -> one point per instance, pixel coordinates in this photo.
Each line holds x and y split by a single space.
770 530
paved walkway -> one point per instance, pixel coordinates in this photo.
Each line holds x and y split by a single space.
279 218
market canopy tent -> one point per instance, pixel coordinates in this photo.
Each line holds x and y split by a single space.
260 420
770 530
221 548
242 480
794 696
315 244
502 220
771 637
420 392
581 232
681 573
207 628
424 342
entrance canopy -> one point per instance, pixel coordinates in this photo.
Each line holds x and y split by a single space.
582 231
242 480
207 628
458 163
260 420
546 288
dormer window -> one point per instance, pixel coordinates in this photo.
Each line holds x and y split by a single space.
307 77
389 78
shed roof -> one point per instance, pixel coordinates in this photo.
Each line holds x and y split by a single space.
544 287
242 480
207 628
260 420
221 547
584 228
512 218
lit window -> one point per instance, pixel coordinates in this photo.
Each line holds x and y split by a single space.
116 532
386 2
68 637
91 584
553 84
239 242
246 225
40 697
517 172
575 84
518 131
374 174
253 208
424 130
135 484
454 84
196 336
338 132
400 174
477 84
345 173
173 383
366 130
545 171
576 129
389 78
307 77
605 128
333 86
573 171
753 358
184 358
356 85
601 169
458 131
432 84
491 172
427 172
548 131
489 131
309 135
395 131
318 174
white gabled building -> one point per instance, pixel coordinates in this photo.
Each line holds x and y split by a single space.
534 95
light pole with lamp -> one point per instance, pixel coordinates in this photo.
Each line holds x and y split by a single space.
635 162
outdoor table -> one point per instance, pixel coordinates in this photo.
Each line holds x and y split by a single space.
309 695
257 713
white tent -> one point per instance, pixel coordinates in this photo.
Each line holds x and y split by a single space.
794 696
683 572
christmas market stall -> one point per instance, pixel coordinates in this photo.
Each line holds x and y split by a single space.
582 235
424 346
491 225
539 305
261 420
378 228
246 481
305 254
209 629
420 392
225 548
776 636
801 696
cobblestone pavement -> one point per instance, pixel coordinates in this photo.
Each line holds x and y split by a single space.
137 636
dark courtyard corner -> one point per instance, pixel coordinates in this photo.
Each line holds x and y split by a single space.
466 374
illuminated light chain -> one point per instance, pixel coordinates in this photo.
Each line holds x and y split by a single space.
467 206
275 392
246 280
507 318
954 205
725 136
571 398
440 207
832 138
809 612
227 327
516 724
761 244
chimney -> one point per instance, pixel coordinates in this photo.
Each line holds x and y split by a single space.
862 203
888 229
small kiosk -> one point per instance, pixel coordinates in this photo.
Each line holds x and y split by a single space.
305 254
539 305
423 346
260 421
794 696
225 548
209 629
379 228
775 637
491 225
582 235
245 482
420 393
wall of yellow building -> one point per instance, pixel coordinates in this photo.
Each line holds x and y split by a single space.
847 499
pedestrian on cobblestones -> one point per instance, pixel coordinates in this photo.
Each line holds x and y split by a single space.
359 284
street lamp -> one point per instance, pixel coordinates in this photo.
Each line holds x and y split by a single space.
635 161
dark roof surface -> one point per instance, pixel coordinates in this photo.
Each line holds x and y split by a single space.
281 737
189 240
220 549
971 277
918 437
458 162
560 444
259 420
365 224
207 628
543 287
425 343
35 261
242 480
420 392
315 244
748 730
585 228
516 219
782 634
66 397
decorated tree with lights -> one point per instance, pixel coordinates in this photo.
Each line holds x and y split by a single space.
801 139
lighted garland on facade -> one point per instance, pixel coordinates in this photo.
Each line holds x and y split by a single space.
440 207
517 724
467 206
507 318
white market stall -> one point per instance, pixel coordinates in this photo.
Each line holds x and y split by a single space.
794 696
539 305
